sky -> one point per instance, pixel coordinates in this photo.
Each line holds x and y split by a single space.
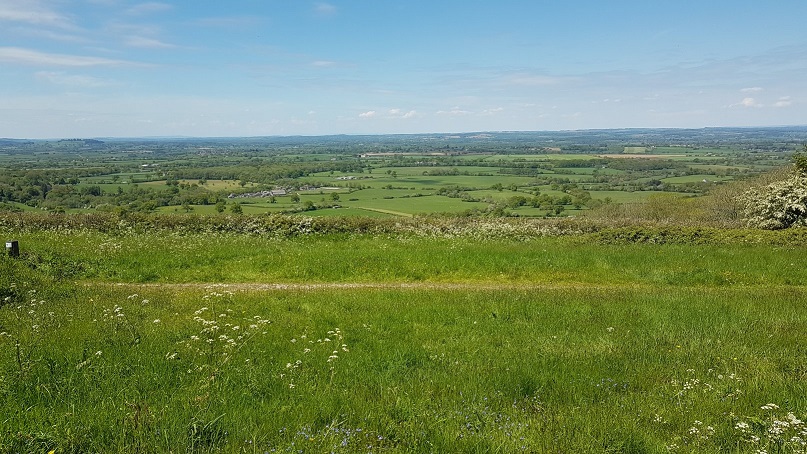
128 68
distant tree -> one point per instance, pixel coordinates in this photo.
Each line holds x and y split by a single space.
236 208
800 162
335 196
221 205
295 198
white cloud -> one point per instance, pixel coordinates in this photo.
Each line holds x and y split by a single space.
41 32
455 111
751 90
324 9
399 113
148 8
747 102
60 78
32 12
229 22
368 114
784 101
147 43
493 111
34 57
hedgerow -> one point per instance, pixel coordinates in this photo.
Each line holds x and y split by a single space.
282 226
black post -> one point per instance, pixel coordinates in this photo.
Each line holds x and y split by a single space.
13 248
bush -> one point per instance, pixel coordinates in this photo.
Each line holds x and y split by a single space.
778 205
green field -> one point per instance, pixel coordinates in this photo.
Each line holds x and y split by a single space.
460 338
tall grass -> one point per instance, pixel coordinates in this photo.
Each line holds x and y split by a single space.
568 369
629 256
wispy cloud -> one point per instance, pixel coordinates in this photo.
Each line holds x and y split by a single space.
229 22
368 114
747 102
784 101
454 112
751 90
73 80
34 57
147 43
400 113
33 12
323 64
324 9
143 9
51 34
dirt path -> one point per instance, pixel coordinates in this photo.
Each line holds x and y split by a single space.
264 287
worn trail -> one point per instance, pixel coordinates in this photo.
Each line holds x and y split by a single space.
447 286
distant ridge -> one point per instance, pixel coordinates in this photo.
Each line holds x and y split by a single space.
787 132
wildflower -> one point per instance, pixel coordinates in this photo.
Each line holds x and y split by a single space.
769 407
156 321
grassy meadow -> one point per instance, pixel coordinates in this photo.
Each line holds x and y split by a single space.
160 341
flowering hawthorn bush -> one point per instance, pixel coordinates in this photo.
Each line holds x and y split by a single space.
777 206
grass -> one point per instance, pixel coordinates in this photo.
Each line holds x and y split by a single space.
451 345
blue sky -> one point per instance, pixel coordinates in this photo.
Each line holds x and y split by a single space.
120 68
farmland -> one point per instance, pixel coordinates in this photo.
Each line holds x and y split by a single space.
504 174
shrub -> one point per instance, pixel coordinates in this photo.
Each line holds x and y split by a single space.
778 205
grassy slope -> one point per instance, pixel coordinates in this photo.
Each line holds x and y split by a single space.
554 345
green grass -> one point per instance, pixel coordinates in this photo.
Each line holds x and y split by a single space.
407 344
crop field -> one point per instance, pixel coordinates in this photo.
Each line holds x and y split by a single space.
475 338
